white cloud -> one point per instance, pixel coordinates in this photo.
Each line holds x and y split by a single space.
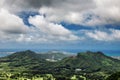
111 35
72 11
1 3
62 14
103 12
12 28
49 31
84 12
10 23
107 12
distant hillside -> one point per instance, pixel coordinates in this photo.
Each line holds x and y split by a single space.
91 61
30 60
23 55
24 59
116 57
85 62
56 55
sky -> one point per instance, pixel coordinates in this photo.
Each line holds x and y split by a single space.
60 24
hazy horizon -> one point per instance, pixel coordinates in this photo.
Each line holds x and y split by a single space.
4 52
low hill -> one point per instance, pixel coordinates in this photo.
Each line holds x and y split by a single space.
91 61
22 60
86 62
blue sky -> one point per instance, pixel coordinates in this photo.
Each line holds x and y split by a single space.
68 24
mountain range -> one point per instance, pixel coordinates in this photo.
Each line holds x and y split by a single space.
84 62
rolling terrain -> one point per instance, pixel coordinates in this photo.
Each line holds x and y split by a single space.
93 65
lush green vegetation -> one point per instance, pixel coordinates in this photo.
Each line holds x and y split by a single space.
115 76
85 66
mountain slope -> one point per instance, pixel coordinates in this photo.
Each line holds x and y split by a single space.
92 61
92 65
23 55
56 55
87 62
24 59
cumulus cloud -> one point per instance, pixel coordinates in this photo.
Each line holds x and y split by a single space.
25 4
92 13
111 35
11 23
87 12
106 12
12 28
48 28
51 31
68 11
46 32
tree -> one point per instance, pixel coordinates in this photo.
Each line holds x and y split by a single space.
115 76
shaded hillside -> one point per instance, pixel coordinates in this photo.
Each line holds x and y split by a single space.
85 62
115 76
92 61
28 54
24 59
23 55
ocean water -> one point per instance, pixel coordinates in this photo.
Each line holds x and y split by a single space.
5 52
